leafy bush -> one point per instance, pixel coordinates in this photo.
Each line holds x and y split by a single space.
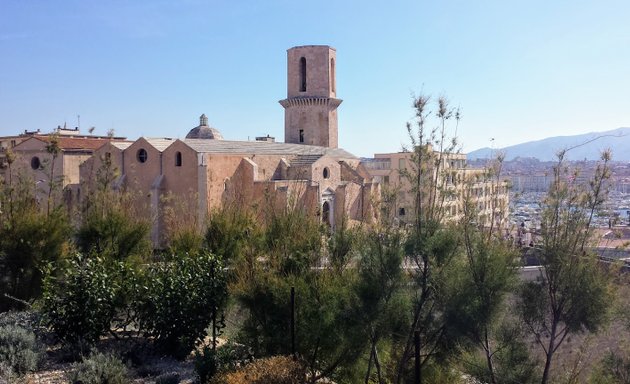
19 350
324 307
293 241
176 301
110 224
28 240
99 368
613 368
228 357
80 306
229 230
272 370
232 356
116 234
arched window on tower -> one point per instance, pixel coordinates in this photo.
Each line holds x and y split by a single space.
303 74
332 75
178 159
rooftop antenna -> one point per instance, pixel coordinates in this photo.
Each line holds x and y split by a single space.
79 121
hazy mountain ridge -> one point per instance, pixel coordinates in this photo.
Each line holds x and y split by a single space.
585 146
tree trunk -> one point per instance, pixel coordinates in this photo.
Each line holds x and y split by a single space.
406 355
545 377
549 354
369 368
377 364
493 379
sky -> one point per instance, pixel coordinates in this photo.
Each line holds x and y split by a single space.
518 70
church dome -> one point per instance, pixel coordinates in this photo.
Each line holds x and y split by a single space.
204 131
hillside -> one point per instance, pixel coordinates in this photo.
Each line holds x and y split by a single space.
586 146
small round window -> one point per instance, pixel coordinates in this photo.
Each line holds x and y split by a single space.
142 155
326 173
35 163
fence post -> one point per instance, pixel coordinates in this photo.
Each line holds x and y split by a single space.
293 322
214 313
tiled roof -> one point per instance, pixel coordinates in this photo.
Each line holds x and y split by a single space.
264 148
160 143
122 144
76 143
304 160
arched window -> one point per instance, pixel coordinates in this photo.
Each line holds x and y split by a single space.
142 155
303 74
178 159
326 173
332 74
35 163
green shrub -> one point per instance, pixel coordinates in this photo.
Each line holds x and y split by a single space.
612 368
7 374
116 233
19 349
176 299
99 369
232 356
28 240
272 370
23 319
80 305
228 357
229 230
30 320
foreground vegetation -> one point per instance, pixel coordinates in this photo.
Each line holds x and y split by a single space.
431 300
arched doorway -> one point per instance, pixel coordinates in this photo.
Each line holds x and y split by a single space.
326 213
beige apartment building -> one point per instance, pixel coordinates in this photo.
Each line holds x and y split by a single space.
60 171
460 183
7 143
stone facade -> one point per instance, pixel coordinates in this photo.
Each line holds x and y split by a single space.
310 115
33 159
194 176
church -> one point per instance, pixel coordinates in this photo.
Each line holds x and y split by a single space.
204 172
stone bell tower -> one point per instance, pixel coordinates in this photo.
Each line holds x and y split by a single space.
310 109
